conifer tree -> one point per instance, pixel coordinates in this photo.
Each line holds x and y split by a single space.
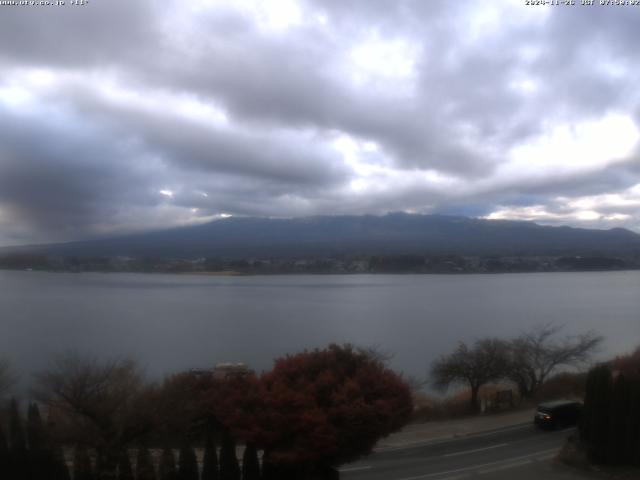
268 469
125 471
597 413
100 469
229 468
144 465
620 411
39 454
633 432
250 463
167 468
59 468
586 419
4 455
187 463
210 460
17 440
82 468
106 465
19 461
35 429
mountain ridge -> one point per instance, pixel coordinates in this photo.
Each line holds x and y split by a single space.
317 236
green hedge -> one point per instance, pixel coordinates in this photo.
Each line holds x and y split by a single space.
610 426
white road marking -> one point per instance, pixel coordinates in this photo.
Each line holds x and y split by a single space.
475 467
519 463
465 452
504 467
450 438
355 469
546 457
501 430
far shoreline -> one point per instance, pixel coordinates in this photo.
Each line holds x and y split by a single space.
233 273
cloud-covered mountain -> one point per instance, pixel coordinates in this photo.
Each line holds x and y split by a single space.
393 234
296 108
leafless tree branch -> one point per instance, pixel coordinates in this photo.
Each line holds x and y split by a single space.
535 354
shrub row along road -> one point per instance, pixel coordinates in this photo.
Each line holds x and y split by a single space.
521 452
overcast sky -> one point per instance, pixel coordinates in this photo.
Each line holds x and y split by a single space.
123 115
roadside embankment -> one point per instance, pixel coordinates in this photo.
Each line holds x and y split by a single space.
423 433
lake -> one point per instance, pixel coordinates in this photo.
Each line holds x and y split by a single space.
174 322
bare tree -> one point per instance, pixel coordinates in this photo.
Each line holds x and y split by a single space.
7 378
377 352
534 355
100 403
475 366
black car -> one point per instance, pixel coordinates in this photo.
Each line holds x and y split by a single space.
558 414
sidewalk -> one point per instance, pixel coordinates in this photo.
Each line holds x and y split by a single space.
428 432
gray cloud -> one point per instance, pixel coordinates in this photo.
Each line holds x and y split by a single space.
54 183
101 35
344 107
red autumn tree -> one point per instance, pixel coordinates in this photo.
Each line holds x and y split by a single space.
628 365
328 407
191 403
237 403
314 410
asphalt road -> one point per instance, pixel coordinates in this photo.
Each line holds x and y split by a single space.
518 452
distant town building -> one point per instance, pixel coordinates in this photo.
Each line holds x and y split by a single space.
222 371
226 370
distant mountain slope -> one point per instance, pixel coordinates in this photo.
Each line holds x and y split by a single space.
336 235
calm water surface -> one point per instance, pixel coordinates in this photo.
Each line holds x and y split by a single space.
173 322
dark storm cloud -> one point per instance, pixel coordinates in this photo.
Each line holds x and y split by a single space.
188 144
173 113
53 183
612 179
